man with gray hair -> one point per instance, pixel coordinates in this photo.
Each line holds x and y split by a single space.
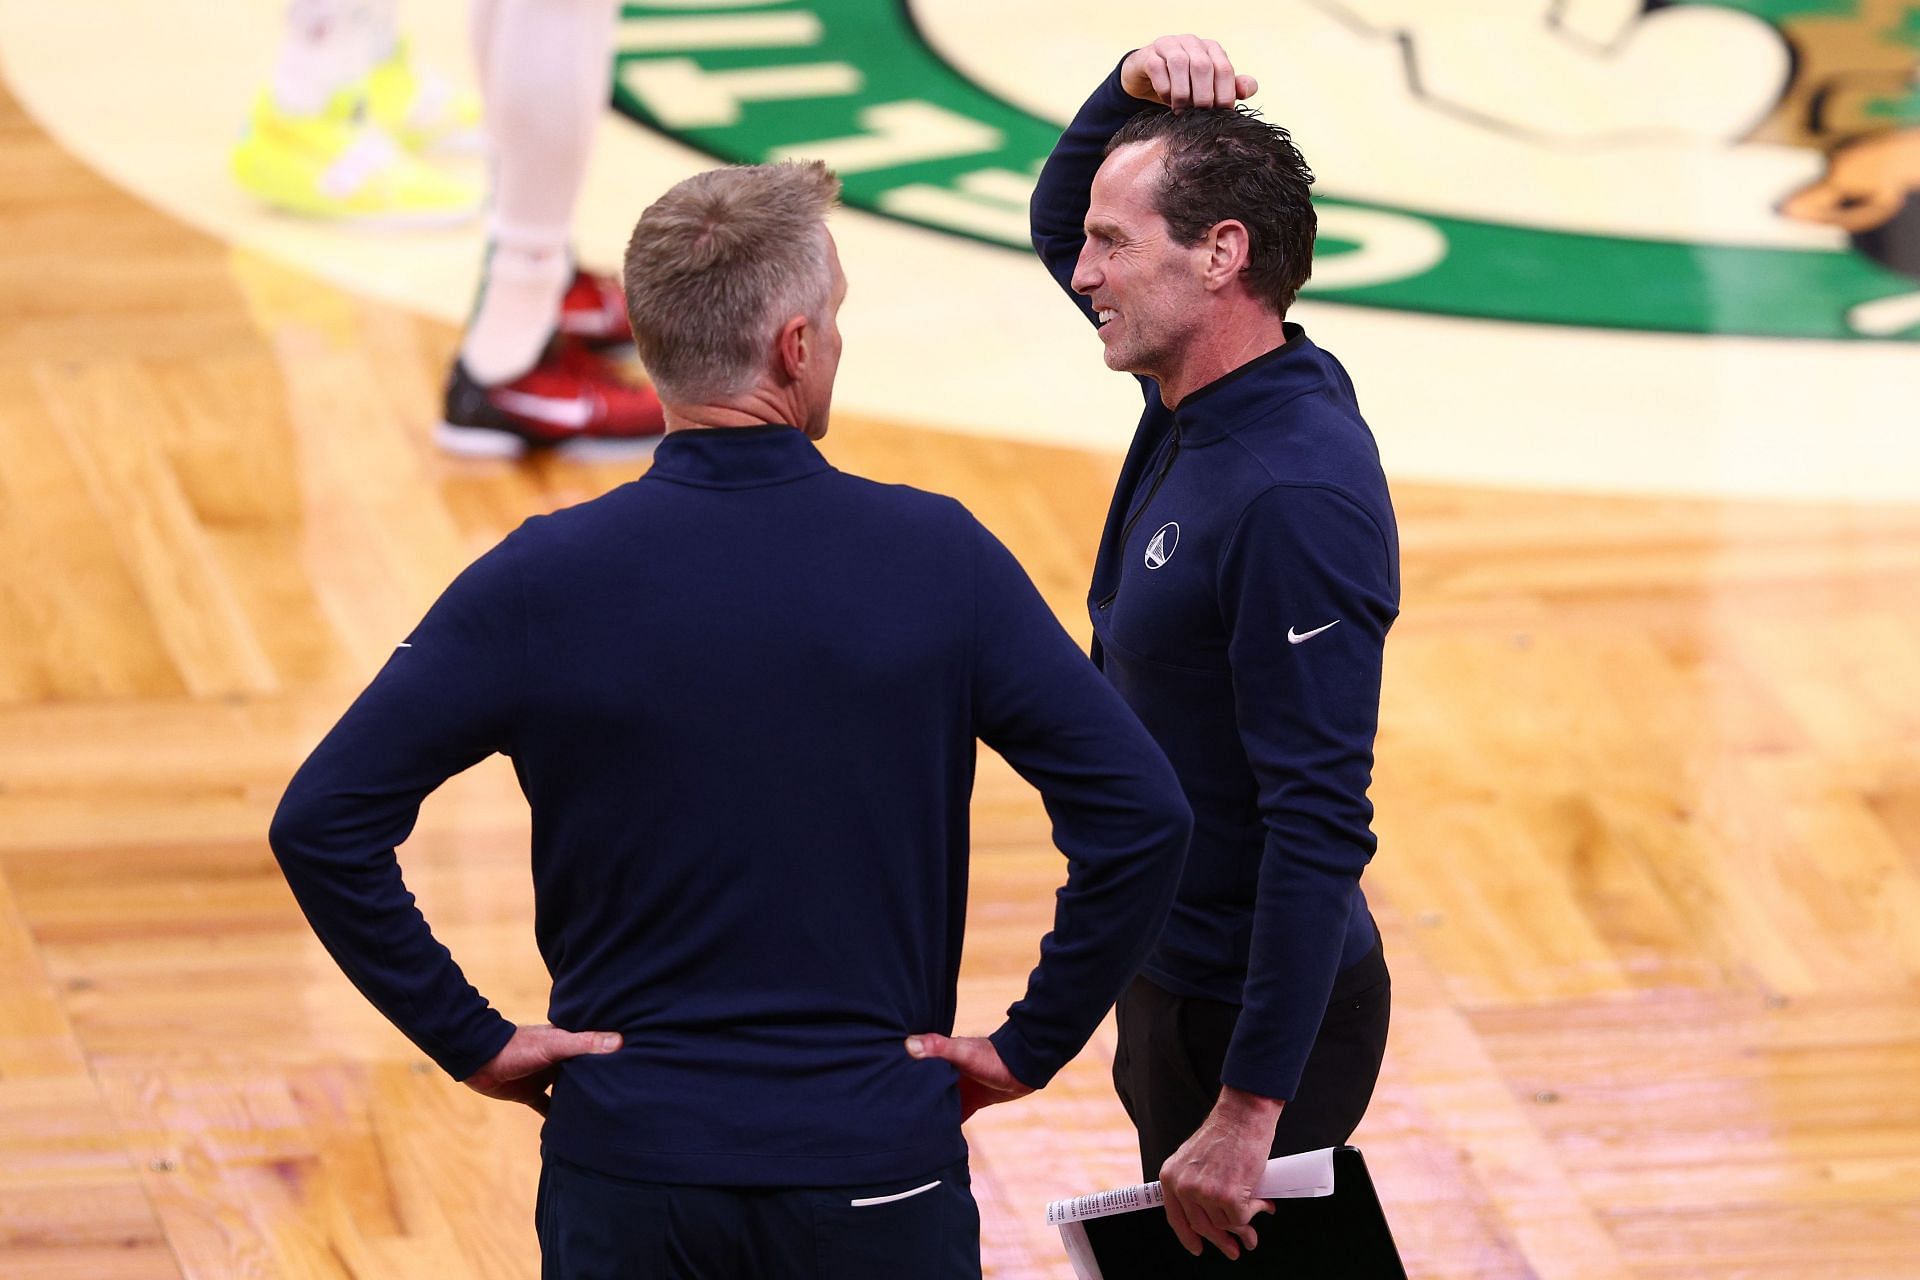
742 696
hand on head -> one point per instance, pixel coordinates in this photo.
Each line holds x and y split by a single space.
1866 184
1185 71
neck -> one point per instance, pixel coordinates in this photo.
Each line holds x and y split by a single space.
758 406
1230 340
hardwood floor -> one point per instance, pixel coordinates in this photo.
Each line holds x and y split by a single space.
1648 794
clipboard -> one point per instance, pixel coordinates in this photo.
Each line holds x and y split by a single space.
1327 1224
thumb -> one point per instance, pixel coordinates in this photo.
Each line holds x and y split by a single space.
1816 202
929 1044
574 1044
973 1055
1245 86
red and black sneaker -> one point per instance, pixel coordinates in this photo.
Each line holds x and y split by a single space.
571 401
594 310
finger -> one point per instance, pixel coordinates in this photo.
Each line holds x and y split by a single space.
1179 68
1867 213
1160 77
976 1097
521 1091
1218 1227
1199 71
975 1056
1816 203
1245 87
1194 76
557 1045
1177 1219
1247 1236
1223 84
930 1044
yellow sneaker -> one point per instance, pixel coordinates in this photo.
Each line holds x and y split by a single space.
338 166
421 107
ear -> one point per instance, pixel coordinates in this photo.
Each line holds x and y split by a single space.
791 347
1229 248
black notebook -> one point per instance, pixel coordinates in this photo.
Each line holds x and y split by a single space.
1326 1225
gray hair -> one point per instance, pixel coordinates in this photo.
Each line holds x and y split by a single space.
715 267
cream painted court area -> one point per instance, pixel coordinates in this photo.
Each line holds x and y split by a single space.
1648 771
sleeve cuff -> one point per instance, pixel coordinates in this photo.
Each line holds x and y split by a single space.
462 1063
1028 1067
1123 105
1280 1082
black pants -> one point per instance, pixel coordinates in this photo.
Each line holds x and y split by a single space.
596 1227
1167 1066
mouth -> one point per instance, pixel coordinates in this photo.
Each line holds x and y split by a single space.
1105 316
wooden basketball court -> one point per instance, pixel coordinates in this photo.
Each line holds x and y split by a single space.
1648 796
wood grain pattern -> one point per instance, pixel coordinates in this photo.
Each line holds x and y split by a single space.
1648 793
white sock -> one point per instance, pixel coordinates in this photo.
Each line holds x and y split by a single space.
546 69
519 304
325 47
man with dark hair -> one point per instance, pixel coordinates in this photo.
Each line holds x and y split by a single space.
742 695
1246 579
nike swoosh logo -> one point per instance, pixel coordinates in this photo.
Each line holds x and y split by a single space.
580 322
1298 637
571 412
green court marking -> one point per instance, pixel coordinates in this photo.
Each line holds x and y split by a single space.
913 139
1779 11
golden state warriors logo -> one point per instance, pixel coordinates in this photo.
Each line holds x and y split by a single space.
1745 167
1160 547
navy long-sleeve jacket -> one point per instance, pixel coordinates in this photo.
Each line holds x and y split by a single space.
741 695
1246 579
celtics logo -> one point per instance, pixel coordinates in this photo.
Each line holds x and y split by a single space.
1740 168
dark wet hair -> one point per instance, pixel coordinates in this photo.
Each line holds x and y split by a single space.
1221 164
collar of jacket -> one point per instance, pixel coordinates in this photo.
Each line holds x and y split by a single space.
1241 396
736 457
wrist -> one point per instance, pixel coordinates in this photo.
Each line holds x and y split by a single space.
1243 1110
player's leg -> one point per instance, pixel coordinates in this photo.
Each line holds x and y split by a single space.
313 143
414 103
325 47
545 73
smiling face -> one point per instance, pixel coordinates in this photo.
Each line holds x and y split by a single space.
1147 291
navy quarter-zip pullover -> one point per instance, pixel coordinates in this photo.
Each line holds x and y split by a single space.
1246 579
741 695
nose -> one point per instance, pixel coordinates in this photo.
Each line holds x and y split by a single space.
1086 272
